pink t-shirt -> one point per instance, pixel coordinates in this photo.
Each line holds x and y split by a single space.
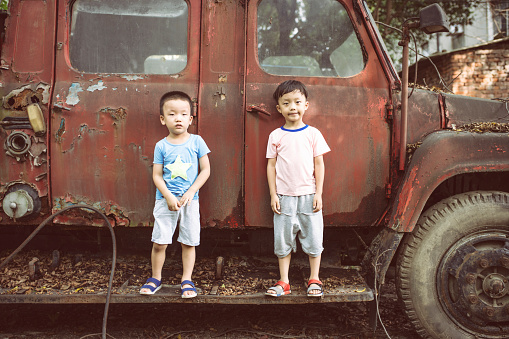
295 151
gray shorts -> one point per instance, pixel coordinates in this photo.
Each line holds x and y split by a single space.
297 219
187 218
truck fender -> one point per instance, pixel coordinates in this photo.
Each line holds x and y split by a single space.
377 259
442 155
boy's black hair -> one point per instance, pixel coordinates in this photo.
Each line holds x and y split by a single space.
175 96
289 86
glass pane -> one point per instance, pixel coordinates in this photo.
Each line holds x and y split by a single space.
148 37
307 38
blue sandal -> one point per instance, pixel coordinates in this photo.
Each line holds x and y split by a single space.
150 287
182 290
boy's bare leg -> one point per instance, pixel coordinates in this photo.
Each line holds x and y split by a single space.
157 258
314 265
188 259
284 268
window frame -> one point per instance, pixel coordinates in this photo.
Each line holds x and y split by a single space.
354 31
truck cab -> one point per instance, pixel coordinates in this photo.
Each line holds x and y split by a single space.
81 82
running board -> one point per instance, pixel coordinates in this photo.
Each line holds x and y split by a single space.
351 288
171 294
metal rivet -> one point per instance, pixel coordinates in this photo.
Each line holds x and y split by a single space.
483 263
505 262
470 278
473 298
489 311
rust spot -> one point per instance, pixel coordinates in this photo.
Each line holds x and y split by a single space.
117 114
117 215
19 100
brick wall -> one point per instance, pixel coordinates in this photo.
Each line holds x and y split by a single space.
480 71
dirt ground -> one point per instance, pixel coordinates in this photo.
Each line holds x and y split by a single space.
201 321
85 273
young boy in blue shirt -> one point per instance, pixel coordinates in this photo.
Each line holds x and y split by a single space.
295 173
181 167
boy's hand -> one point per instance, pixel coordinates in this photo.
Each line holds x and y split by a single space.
186 198
173 203
317 203
274 203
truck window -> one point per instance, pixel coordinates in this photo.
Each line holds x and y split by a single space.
307 38
148 37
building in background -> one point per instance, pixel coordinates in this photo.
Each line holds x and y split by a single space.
490 22
472 60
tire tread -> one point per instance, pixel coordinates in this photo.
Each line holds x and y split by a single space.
412 241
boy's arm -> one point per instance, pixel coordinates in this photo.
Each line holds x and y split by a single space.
199 182
271 178
157 176
319 177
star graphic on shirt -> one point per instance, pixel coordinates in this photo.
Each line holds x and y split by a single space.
178 168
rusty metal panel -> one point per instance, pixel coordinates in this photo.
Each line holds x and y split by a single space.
30 42
221 120
461 110
104 128
424 115
25 78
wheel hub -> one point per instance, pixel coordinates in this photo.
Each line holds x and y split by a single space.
494 285
473 282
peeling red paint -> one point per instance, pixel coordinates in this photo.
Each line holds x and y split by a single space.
441 156
117 216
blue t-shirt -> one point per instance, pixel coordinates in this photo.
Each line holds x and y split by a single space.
180 163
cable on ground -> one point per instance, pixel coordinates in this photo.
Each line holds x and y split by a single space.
113 262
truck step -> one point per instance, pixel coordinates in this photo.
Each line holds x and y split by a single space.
340 285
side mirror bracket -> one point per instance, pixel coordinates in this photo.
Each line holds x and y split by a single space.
432 19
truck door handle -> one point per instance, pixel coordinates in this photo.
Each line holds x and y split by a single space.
257 109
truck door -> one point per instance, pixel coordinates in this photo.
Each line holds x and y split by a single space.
324 45
114 61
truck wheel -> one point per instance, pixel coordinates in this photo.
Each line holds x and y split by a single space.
453 269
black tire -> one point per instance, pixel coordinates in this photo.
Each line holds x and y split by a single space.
453 269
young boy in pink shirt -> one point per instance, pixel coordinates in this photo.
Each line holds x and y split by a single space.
295 172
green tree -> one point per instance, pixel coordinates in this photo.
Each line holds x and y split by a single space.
4 4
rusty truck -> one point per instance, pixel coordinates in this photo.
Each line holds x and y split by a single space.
407 184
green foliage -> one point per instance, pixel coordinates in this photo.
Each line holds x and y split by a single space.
4 4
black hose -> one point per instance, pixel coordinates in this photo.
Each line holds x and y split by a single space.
113 262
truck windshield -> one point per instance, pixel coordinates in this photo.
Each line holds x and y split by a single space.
307 38
129 36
